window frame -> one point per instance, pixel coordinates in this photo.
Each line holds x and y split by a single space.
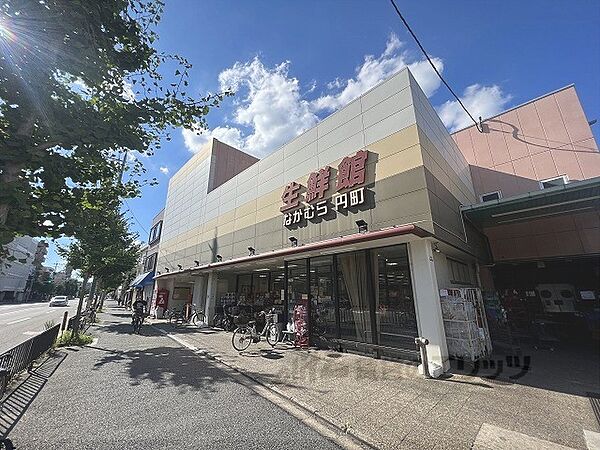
155 235
499 192
565 179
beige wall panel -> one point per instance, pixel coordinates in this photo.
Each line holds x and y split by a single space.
245 209
396 142
226 217
271 198
399 162
245 221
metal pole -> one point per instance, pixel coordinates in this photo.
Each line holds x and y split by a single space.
422 344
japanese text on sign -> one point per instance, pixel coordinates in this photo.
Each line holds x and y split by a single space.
350 173
321 209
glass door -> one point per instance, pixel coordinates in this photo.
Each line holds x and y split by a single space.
297 285
298 300
396 319
322 321
354 297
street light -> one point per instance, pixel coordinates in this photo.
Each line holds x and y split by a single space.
363 227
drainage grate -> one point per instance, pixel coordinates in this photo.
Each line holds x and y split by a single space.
595 401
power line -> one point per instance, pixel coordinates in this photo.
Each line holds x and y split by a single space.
477 124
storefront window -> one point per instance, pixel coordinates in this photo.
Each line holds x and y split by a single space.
244 289
321 294
260 290
353 293
277 286
297 285
395 312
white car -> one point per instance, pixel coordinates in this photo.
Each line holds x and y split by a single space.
59 300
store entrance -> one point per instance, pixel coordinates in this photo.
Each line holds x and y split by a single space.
323 306
363 301
550 304
548 312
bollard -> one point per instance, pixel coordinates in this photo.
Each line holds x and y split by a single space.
63 327
422 346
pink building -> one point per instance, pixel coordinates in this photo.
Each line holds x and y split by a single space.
536 172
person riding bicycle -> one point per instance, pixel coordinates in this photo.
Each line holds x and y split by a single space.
139 309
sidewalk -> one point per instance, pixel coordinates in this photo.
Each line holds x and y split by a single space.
389 406
142 392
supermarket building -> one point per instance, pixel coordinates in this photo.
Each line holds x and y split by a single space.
368 220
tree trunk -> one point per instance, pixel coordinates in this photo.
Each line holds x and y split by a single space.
80 304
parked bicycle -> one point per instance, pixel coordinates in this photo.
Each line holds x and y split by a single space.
224 320
168 313
244 335
179 318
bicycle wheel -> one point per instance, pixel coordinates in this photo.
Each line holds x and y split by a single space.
198 318
272 335
241 339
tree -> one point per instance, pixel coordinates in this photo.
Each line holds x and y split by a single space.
105 251
43 286
69 288
82 86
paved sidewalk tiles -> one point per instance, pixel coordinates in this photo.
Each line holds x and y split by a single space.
390 406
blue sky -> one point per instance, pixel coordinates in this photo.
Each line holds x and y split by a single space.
293 63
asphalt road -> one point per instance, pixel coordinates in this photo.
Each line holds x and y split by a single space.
146 392
18 322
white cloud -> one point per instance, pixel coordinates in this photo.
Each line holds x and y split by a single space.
484 101
269 109
230 135
272 107
374 70
164 170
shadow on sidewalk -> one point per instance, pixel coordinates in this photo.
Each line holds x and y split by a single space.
121 327
173 366
19 400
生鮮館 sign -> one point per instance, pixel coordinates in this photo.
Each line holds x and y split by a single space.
302 204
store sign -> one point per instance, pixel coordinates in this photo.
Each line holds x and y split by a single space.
314 205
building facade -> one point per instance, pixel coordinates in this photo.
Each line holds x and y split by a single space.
536 170
17 271
365 228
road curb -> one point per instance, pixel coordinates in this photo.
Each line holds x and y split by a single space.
327 429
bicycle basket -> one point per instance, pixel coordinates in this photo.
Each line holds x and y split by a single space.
240 320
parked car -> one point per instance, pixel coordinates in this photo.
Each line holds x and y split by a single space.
59 300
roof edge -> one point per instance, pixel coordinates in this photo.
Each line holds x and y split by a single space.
319 245
518 106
